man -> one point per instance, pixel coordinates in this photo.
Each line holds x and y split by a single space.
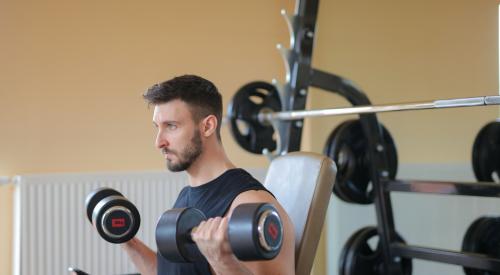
188 116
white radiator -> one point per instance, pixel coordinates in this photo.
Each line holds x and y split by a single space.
52 231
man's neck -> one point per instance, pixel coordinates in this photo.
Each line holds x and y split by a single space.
212 163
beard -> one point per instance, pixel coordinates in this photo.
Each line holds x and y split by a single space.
187 156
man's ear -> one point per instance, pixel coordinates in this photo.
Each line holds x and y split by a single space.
209 125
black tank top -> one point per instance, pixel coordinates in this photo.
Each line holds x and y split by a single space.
214 199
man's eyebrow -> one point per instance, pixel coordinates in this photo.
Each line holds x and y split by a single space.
166 122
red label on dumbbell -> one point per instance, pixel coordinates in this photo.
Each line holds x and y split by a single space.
118 222
272 229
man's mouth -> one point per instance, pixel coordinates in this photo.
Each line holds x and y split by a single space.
167 154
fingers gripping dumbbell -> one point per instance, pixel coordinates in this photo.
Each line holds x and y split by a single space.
115 218
255 233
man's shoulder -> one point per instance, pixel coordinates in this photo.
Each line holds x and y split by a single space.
241 176
254 196
239 172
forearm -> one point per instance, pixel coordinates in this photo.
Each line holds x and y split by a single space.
229 265
142 256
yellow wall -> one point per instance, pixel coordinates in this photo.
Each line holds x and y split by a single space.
400 51
73 71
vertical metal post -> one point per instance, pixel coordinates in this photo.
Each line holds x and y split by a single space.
378 160
299 62
301 76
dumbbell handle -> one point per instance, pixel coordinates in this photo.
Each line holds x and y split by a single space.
189 235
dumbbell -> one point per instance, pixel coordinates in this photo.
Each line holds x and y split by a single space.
115 218
255 233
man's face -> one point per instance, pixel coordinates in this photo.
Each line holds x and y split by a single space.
178 136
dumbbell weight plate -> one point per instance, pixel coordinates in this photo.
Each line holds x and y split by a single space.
486 152
345 162
482 237
359 258
255 232
116 219
347 146
173 234
97 195
471 241
249 100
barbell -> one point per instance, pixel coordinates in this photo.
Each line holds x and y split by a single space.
265 116
256 110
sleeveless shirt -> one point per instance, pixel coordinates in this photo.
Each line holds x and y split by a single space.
214 200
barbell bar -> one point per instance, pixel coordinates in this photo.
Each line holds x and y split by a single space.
266 115
255 115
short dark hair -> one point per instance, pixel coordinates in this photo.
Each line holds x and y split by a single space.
200 94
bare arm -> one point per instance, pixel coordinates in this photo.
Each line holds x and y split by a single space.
142 256
213 242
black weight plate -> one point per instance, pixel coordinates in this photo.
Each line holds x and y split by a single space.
350 163
359 258
345 163
348 148
470 238
97 195
252 227
130 226
486 152
243 111
344 261
491 238
482 237
173 234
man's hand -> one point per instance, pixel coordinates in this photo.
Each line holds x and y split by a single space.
211 237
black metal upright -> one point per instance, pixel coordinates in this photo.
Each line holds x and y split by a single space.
298 60
378 161
301 75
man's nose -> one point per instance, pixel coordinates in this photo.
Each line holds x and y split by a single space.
160 141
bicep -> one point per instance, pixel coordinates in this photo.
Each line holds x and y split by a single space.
284 262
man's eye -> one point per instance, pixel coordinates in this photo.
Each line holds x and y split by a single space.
172 126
